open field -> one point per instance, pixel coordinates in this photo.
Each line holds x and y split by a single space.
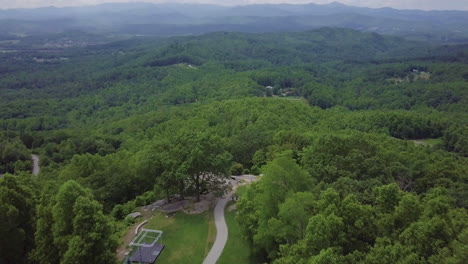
187 237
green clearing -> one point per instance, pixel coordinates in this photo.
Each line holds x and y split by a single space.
237 249
293 98
428 142
186 237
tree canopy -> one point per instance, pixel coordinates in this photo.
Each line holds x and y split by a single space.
361 140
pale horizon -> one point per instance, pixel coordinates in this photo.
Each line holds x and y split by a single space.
397 4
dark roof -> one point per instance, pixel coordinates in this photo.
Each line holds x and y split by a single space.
147 254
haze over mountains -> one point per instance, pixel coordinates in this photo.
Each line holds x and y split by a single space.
398 4
131 19
356 118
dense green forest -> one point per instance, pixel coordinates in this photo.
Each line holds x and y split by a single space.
337 121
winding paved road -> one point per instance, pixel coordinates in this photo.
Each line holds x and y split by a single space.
221 227
36 167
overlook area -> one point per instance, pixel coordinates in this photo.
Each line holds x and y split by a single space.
352 143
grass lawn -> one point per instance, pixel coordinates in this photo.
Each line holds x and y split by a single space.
187 238
237 250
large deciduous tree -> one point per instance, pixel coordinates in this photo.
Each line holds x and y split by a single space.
193 157
204 160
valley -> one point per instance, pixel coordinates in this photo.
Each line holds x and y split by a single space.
353 129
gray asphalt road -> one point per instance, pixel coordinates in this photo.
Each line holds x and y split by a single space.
36 167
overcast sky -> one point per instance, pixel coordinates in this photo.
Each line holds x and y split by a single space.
400 4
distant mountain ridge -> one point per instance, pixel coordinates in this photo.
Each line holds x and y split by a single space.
187 19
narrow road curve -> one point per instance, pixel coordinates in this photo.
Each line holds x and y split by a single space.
36 167
221 232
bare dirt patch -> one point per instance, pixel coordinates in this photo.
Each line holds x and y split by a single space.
130 235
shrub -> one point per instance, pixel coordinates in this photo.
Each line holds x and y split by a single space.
237 169
255 170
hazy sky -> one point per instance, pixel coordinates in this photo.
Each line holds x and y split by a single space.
401 4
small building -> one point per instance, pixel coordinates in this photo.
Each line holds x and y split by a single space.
269 87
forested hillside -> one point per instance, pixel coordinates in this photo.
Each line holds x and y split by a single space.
361 138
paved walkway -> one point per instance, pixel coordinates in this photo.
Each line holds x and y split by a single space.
221 227
36 167
221 232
